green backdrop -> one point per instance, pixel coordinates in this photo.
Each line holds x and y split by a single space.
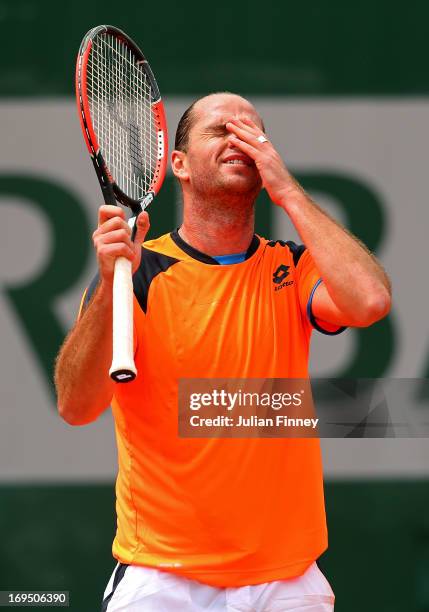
59 537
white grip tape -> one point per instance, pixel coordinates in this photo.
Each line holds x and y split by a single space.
123 328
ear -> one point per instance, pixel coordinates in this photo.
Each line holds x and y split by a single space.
178 165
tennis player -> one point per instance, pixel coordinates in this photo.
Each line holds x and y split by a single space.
217 524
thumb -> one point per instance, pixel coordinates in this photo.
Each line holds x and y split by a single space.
143 225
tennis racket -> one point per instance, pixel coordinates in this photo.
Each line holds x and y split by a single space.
124 126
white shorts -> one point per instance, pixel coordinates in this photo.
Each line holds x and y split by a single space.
142 589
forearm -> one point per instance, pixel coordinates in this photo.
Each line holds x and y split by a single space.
356 290
354 279
84 388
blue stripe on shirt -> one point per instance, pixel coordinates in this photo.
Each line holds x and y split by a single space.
230 259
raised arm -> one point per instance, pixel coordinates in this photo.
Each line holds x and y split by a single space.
355 289
84 387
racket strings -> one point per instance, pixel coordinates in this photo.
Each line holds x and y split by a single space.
120 100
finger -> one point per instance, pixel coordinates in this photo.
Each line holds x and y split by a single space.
248 125
252 124
245 147
111 224
143 225
256 131
107 211
116 236
113 251
244 134
235 124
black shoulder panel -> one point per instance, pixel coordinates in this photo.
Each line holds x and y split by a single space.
152 263
296 249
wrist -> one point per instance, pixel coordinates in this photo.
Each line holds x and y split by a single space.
104 291
293 199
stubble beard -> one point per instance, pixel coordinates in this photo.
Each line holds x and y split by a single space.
223 200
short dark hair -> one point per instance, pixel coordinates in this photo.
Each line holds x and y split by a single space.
184 127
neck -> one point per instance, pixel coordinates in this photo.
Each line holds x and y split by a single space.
216 228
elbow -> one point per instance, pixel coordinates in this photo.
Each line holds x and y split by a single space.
73 416
376 307
68 415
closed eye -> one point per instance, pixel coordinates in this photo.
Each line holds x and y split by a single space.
216 130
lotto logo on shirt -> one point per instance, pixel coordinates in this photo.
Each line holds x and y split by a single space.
279 277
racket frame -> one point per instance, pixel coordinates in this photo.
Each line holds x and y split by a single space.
123 368
107 182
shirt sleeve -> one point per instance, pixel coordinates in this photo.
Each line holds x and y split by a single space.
87 295
308 280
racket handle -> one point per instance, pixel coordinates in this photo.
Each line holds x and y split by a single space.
123 368
108 194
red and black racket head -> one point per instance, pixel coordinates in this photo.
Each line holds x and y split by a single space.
122 117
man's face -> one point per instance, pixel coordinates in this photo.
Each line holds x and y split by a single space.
215 167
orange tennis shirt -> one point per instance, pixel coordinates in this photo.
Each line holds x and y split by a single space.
225 512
